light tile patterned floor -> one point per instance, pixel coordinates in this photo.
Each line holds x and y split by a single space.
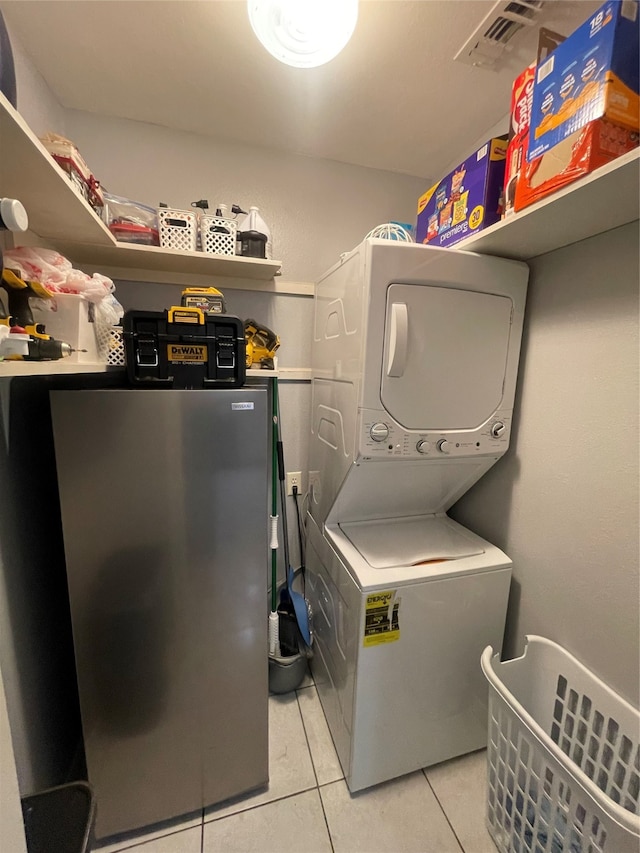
307 807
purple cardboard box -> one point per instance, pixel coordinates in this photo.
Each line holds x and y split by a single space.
467 200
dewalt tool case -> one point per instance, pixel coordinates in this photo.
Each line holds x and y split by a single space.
184 348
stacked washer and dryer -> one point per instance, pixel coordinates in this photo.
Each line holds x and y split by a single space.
415 360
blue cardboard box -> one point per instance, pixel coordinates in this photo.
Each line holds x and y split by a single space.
467 200
591 75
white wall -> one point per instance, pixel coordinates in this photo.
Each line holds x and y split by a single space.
36 102
564 502
314 208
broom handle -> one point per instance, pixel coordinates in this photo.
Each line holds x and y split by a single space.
283 492
274 495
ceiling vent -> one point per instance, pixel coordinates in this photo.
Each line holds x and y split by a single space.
492 38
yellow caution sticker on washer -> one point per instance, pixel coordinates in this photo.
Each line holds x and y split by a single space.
187 353
381 618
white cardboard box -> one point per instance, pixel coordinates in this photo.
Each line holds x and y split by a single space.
71 320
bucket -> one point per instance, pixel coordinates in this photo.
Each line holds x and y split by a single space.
287 674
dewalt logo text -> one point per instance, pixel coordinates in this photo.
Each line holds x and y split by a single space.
194 354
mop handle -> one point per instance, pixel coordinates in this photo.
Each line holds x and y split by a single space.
274 533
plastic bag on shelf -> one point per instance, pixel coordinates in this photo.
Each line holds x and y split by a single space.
67 156
57 274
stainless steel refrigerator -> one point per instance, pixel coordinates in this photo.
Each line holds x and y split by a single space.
164 499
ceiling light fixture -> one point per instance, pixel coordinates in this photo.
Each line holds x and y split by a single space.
303 33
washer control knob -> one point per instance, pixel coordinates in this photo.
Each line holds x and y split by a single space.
422 446
443 445
379 432
497 429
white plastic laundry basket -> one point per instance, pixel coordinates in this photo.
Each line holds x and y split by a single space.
563 756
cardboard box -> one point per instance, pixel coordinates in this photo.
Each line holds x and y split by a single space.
591 75
69 317
520 118
521 99
595 145
467 200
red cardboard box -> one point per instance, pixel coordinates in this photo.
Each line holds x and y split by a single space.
521 97
579 154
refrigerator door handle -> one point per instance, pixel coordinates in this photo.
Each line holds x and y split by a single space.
398 340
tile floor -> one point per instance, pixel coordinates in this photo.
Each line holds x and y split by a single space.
307 807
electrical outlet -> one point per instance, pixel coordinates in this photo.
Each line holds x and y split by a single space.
294 478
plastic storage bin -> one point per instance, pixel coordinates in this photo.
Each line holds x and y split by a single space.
178 229
563 756
218 235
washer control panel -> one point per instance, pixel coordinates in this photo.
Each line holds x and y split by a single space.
381 437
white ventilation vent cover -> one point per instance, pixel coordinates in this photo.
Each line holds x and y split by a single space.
492 38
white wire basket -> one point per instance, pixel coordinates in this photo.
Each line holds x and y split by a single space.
178 229
563 756
217 235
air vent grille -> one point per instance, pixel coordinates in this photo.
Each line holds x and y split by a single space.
502 30
487 44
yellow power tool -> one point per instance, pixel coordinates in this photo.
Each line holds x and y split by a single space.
42 347
261 343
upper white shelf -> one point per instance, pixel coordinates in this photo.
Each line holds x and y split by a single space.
605 199
131 261
61 216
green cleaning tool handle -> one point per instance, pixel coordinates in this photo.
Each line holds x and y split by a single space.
280 461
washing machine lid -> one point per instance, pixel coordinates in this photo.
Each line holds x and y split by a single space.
420 540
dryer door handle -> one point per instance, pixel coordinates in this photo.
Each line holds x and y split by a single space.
398 340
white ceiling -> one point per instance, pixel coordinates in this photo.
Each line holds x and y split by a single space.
394 99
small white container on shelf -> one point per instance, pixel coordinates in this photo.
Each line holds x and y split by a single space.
563 756
178 229
218 235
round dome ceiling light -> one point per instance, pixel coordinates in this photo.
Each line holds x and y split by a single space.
303 33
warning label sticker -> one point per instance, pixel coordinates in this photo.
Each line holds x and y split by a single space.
382 618
187 353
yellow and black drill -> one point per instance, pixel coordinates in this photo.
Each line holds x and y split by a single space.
42 347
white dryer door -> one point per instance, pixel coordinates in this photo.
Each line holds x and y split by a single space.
445 356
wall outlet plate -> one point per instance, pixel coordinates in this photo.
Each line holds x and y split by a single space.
294 478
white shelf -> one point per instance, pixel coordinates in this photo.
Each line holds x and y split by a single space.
126 260
53 368
605 199
62 217
287 374
28 173
49 368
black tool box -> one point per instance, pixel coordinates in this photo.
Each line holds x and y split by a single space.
184 348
